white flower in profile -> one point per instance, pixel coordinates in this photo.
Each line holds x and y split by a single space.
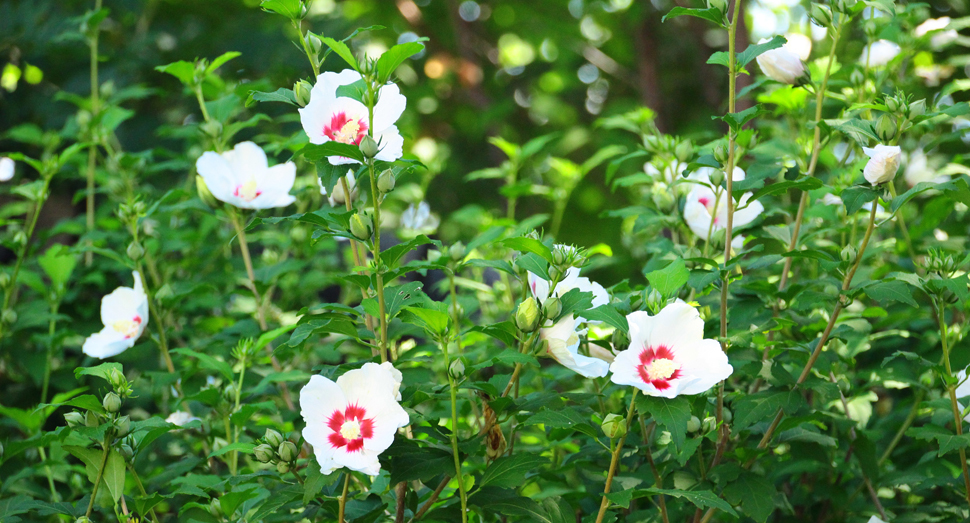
339 197
883 163
782 64
918 169
124 313
350 422
562 339
668 355
419 219
243 178
799 44
331 117
181 418
6 169
879 53
705 213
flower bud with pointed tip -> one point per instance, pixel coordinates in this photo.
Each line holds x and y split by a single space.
9 317
892 104
684 151
316 45
264 453
664 439
886 127
215 508
386 181
551 307
614 426
135 251
74 419
655 300
117 379
848 254
457 252
457 369
282 467
273 438
821 14
83 519
126 451
917 108
360 226
721 154
123 426
301 91
288 451
111 402
368 147
527 315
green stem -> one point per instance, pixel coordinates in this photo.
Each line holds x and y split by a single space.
97 482
92 149
453 388
235 431
51 326
131 468
376 196
951 390
306 49
614 462
343 498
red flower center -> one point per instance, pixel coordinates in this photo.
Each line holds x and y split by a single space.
128 327
247 191
658 367
344 129
350 428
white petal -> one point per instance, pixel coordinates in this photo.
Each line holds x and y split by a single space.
217 174
390 106
106 343
360 461
6 169
391 144
677 325
375 389
706 362
247 160
539 287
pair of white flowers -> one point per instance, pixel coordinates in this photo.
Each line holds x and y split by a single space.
243 178
706 211
667 356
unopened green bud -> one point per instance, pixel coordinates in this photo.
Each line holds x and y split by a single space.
457 252
619 340
457 369
126 451
857 77
684 151
273 438
892 104
135 251
614 426
360 226
386 181
212 128
301 91
4 279
848 254
123 426
282 467
117 379
264 453
83 519
288 451
822 15
662 197
316 45
717 177
111 402
74 419
720 5
9 317
83 119
886 127
552 307
559 256
917 108
721 154
527 315
20 238
655 300
203 191
215 508
652 143
663 439
229 392
709 424
368 147
694 424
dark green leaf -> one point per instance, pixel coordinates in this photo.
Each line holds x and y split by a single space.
393 57
670 279
670 414
712 15
510 471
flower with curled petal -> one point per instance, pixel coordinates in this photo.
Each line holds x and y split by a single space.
124 313
243 178
350 422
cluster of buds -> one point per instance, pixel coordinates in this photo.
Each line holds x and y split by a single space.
903 105
276 449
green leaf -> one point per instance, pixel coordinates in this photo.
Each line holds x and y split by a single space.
342 51
269 337
670 279
315 481
392 256
947 440
114 468
436 322
670 414
410 462
608 314
395 298
208 362
861 131
395 56
857 196
292 9
220 61
700 498
805 183
241 446
755 495
280 95
184 71
524 244
535 264
737 120
755 408
744 57
316 152
101 371
510 471
712 15
891 291
575 302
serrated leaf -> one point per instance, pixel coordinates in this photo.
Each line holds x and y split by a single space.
342 51
712 15
755 495
670 279
670 414
891 291
510 471
316 152
856 197
395 56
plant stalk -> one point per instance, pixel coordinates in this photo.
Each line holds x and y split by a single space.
614 462
951 391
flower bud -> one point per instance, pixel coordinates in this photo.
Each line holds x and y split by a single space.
360 226
457 369
301 91
684 151
663 439
74 419
527 315
203 191
892 104
386 181
4 280
720 5
917 108
264 453
368 147
282 467
662 197
126 451
721 154
457 252
619 340
215 508
694 424
857 78
83 519
212 128
20 238
821 15
314 41
614 426
848 254
288 451
123 426
135 251
552 307
886 127
273 438
9 317
709 424
111 402
655 300
652 143
559 256
117 379
717 177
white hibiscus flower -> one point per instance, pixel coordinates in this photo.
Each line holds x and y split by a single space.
242 178
124 313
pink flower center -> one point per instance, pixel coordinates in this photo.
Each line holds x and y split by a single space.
350 428
658 367
128 327
709 205
344 129
247 191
